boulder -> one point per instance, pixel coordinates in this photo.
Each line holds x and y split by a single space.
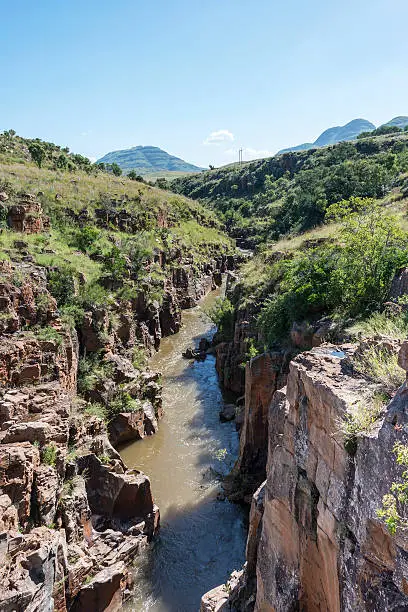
32 575
122 496
228 412
104 592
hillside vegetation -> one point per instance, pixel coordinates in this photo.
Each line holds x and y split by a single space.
267 199
329 228
107 233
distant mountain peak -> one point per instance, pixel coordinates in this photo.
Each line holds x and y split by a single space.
335 134
148 160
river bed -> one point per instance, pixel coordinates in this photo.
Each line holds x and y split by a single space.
202 537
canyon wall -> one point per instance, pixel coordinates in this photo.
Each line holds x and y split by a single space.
315 541
72 516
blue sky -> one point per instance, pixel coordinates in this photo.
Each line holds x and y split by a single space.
199 78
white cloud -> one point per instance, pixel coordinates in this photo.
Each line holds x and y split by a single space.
248 153
219 137
86 133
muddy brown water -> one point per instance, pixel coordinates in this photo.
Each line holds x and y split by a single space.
202 537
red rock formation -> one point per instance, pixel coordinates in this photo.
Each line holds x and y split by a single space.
319 544
27 216
263 376
98 514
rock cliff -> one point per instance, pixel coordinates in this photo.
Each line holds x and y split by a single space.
70 511
315 541
72 516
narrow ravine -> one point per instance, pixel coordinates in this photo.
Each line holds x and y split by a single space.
202 536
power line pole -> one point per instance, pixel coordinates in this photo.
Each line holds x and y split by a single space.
240 157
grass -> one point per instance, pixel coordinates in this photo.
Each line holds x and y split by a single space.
385 323
381 365
48 334
97 410
360 419
38 244
80 190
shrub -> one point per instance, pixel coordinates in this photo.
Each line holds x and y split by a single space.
123 402
61 284
72 315
95 409
49 454
48 334
91 371
394 504
222 314
139 358
349 278
84 238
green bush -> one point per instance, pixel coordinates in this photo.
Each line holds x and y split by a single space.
61 284
91 371
351 277
123 402
48 334
49 454
95 409
222 314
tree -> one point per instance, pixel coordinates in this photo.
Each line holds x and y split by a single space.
132 175
373 246
116 170
9 134
62 161
37 153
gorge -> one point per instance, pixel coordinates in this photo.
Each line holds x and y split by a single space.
129 320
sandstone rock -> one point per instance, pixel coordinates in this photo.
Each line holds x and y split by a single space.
104 592
264 375
321 543
46 494
403 356
27 216
17 465
32 576
8 514
122 496
399 286
122 368
170 314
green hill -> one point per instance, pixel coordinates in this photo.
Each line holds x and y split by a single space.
266 199
148 160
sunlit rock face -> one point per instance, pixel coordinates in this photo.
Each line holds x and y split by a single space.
315 541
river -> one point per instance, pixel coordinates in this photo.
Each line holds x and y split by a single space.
202 536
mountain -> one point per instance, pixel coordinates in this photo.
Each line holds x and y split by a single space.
350 131
400 122
148 160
